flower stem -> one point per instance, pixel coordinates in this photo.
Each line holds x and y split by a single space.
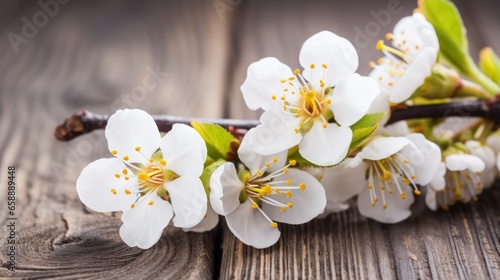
85 122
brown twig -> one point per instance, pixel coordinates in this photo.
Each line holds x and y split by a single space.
85 121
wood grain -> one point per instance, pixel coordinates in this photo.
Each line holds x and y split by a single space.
460 244
97 55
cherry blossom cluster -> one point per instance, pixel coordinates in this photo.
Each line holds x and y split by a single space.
322 146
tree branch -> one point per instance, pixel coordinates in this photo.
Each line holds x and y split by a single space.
85 121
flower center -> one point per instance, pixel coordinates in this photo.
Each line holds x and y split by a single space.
460 186
149 179
260 186
311 102
385 175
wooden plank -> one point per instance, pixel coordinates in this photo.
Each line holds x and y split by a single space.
460 244
100 56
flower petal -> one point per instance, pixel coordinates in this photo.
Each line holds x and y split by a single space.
430 199
307 203
263 81
251 227
460 162
184 150
208 222
131 128
425 161
101 191
275 133
383 147
414 76
352 97
188 199
326 146
381 104
415 31
225 189
438 182
337 53
397 209
342 182
143 225
254 161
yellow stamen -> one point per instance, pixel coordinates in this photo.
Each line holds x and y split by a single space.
289 181
124 171
312 66
288 194
274 225
126 158
114 152
138 148
403 195
292 162
151 202
143 176
324 66
285 170
247 176
289 205
163 162
132 205
302 186
113 191
117 175
275 159
127 192
255 205
273 97
296 71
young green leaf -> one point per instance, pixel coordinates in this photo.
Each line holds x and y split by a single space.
453 44
364 128
219 141
490 64
207 173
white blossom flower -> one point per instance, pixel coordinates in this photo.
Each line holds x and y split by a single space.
298 106
395 165
493 141
263 192
410 60
462 182
148 185
486 154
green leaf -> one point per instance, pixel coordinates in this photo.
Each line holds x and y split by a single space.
207 173
301 161
490 64
220 142
453 44
364 128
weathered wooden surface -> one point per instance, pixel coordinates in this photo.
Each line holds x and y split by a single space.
97 55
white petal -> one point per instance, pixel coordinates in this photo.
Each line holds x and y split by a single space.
383 147
144 224
225 189
184 150
485 153
381 104
414 76
397 209
352 97
336 52
208 222
460 162
426 161
263 81
343 181
415 30
430 199
438 182
326 146
396 129
254 161
131 128
493 141
498 162
275 134
188 199
97 183
307 203
251 227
